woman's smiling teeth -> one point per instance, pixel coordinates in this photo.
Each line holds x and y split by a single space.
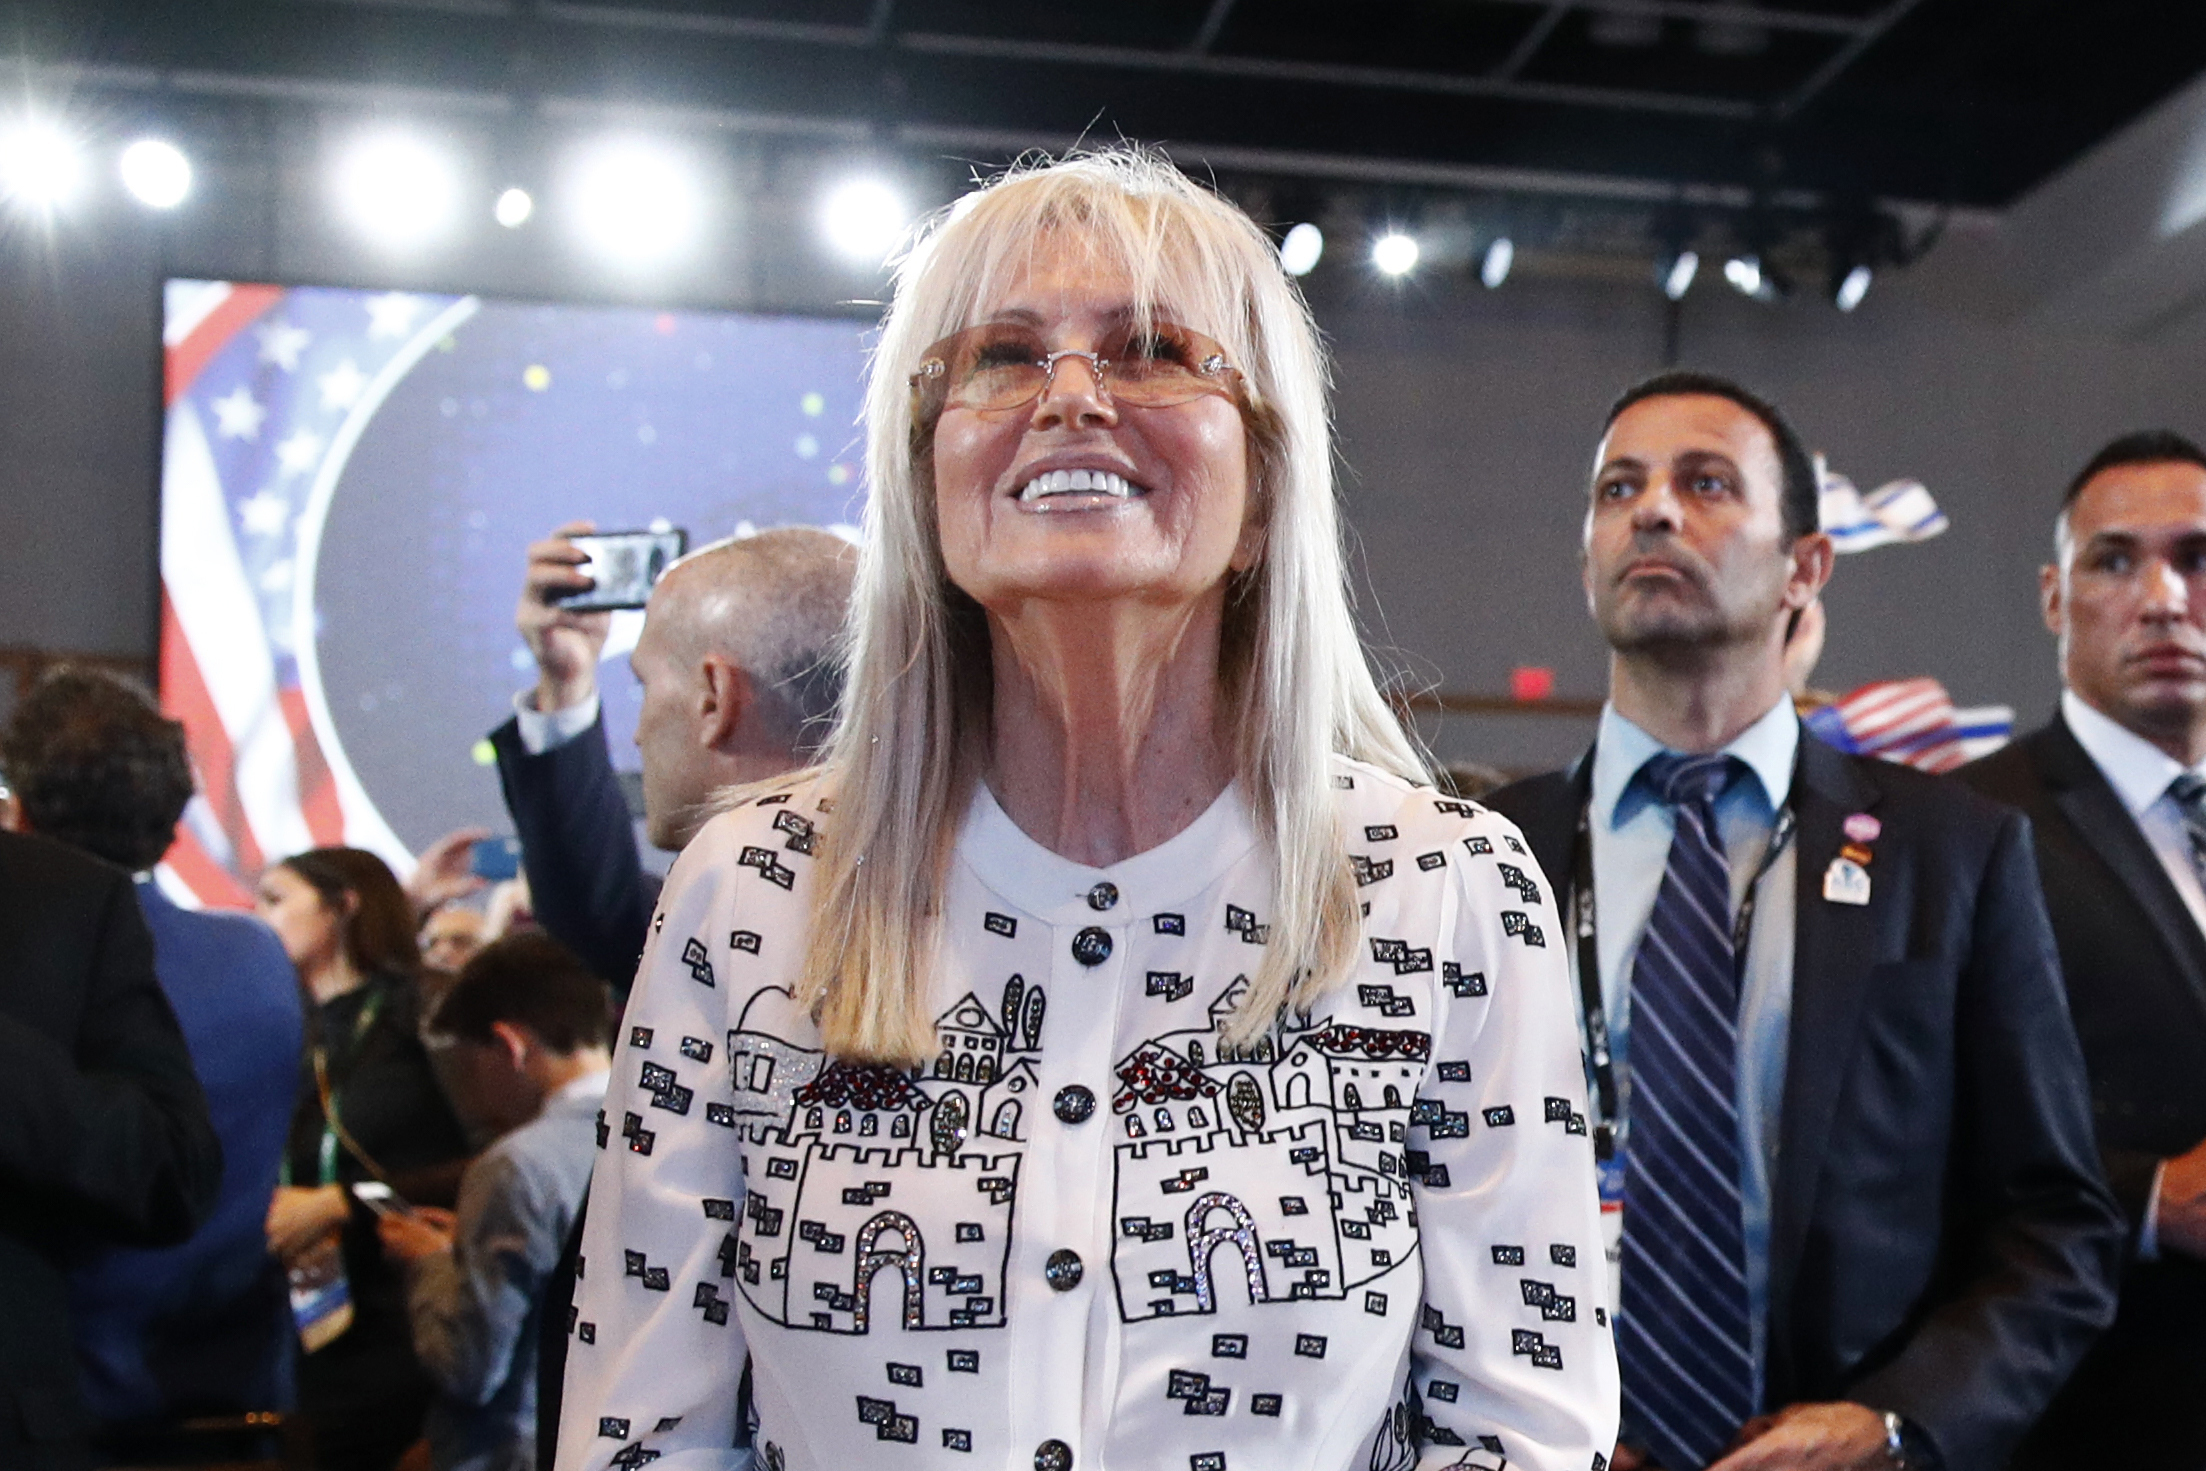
1079 482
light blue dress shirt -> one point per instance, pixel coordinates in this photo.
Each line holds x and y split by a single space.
1631 833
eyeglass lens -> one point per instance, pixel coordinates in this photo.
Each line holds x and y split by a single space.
994 368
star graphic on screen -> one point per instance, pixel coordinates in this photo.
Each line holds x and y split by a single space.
264 513
392 314
236 415
341 385
281 343
298 453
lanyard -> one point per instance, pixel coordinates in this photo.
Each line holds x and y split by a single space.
333 1128
1589 960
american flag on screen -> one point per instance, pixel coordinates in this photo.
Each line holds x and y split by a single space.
266 389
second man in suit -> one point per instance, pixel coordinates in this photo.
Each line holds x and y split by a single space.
1858 1219
2115 789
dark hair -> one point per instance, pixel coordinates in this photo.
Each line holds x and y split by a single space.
1799 498
379 935
531 980
97 765
2142 447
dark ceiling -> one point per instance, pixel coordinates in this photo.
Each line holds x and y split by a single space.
1965 102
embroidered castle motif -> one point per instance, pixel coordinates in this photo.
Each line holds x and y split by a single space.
821 1243
1319 1125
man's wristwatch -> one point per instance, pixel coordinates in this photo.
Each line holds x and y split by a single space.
1906 1447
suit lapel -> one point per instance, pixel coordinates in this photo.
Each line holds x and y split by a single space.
2084 796
1833 948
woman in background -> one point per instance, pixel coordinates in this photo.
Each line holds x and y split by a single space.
348 927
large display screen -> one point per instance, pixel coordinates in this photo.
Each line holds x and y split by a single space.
349 482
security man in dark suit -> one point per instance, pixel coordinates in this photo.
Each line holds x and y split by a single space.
2115 789
104 1134
1841 1112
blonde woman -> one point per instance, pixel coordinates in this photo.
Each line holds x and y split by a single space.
1112 1055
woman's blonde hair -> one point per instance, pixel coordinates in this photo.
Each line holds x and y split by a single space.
915 711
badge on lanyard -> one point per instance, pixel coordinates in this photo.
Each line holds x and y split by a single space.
1609 1174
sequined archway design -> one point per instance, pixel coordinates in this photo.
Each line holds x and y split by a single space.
1203 1240
910 1262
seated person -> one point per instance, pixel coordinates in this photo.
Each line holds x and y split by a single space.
526 1031
202 1328
739 681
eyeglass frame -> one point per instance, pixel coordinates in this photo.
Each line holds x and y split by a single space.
1223 380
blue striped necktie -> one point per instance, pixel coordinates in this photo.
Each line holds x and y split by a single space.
1683 1337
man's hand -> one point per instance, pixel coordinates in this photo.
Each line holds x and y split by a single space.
2183 1203
412 1236
1833 1437
566 645
301 1215
1624 1458
445 872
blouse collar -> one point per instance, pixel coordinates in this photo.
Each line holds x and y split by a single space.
1057 890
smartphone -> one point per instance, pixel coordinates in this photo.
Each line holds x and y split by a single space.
380 1198
624 565
495 859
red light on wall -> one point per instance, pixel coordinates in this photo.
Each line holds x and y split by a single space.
1531 682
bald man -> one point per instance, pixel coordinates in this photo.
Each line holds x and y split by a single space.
739 684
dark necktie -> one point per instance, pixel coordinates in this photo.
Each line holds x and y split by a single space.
2188 792
1683 1337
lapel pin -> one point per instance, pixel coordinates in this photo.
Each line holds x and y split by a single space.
1855 853
1862 827
1846 882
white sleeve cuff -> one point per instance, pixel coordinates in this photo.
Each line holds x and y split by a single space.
2148 1233
541 732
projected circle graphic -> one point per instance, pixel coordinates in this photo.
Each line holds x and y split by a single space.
351 481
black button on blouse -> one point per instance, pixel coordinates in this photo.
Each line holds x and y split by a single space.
1092 946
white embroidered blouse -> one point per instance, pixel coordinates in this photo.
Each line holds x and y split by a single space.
1089 1235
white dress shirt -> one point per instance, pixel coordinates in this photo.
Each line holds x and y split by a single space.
2139 772
1631 831
1372 1240
542 731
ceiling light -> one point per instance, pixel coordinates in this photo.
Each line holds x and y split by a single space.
1493 269
1677 276
399 190
1394 253
636 201
40 165
1300 252
156 173
513 208
863 219
1853 288
1744 272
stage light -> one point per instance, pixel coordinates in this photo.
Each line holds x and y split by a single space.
156 173
1493 268
863 219
1744 272
1300 252
1853 288
1677 276
41 166
398 189
513 208
1394 253
636 201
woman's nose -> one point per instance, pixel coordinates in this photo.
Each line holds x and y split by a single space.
1073 393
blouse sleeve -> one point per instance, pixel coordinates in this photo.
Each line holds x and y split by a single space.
1512 1357
655 1350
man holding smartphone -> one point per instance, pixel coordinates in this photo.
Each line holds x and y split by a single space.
739 684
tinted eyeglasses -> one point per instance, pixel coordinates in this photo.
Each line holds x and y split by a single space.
1000 366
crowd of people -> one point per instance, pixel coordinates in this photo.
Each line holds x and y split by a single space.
1076 1031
